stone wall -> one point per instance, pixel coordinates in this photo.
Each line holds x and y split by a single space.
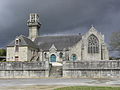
24 69
22 54
92 69
77 69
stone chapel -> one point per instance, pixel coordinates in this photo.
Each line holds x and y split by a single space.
90 46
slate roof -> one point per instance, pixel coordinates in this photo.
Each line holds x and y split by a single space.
60 42
45 42
24 41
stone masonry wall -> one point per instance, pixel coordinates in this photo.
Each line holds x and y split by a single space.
92 69
77 69
24 69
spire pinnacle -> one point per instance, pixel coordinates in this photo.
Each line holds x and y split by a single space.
92 28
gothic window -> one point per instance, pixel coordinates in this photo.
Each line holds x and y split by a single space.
74 57
93 44
60 54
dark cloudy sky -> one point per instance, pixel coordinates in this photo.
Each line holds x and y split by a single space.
58 17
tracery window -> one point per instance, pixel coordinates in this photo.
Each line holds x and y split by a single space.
93 44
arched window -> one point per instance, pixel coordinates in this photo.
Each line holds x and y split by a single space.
93 44
60 55
53 58
74 57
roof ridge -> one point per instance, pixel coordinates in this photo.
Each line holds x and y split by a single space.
59 35
24 37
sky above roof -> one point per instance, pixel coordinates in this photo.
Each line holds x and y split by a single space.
58 17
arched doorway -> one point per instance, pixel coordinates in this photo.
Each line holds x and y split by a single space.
53 58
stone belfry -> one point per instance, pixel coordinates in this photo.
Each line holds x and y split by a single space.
34 24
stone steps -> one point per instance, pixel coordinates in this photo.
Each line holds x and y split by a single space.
35 58
56 71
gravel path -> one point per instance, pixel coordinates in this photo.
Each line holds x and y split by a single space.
51 83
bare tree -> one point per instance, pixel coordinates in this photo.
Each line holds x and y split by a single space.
115 41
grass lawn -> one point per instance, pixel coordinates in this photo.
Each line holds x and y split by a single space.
88 88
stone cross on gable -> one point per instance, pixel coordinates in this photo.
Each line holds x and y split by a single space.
92 28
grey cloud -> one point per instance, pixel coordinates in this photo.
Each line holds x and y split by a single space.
58 16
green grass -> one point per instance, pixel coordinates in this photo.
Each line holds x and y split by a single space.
88 88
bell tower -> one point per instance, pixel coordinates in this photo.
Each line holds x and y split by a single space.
34 24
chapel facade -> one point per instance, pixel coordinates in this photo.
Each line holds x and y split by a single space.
90 46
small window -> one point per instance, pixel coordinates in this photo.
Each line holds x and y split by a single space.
16 58
74 57
45 55
17 42
61 55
